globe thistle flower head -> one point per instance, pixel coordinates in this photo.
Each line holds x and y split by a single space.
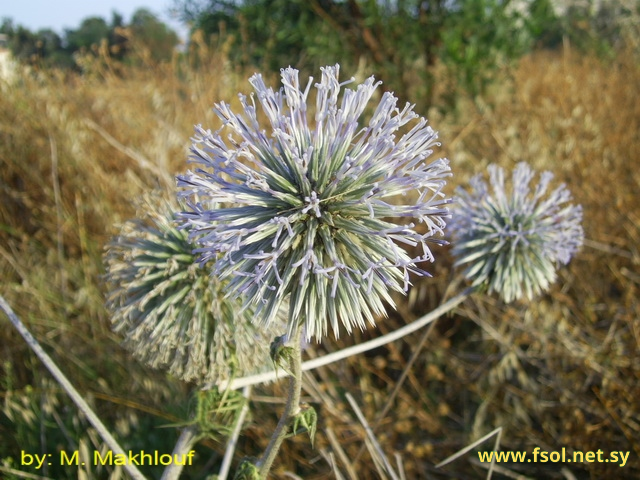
512 239
172 313
317 211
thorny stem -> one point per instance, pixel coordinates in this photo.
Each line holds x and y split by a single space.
291 409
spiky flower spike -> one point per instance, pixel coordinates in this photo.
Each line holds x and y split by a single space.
172 313
313 212
512 239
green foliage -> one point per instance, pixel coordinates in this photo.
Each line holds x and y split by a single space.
478 38
269 34
217 412
95 36
403 42
92 31
591 27
247 471
31 47
158 39
543 24
281 355
306 421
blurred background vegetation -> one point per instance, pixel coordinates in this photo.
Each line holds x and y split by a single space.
92 118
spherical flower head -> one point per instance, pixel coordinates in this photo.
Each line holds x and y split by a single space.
511 238
317 211
172 313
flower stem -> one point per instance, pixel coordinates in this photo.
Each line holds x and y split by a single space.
291 409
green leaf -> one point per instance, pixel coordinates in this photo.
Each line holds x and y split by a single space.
247 470
281 355
306 420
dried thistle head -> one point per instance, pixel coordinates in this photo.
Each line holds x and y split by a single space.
511 238
314 213
172 313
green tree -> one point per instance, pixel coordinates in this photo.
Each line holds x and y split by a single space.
479 36
118 41
21 41
50 50
153 35
92 31
44 48
399 40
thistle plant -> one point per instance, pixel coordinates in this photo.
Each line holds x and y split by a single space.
512 238
316 214
172 313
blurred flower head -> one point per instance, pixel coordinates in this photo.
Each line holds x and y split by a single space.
512 239
316 211
172 313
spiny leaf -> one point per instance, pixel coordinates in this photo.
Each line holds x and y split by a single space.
247 470
306 420
281 355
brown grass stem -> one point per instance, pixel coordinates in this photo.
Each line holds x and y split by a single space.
379 453
398 385
225 467
69 388
55 180
188 438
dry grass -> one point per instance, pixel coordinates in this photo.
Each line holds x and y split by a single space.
559 372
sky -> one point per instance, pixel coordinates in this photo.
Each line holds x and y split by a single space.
68 14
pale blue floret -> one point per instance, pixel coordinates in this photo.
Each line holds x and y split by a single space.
513 239
306 211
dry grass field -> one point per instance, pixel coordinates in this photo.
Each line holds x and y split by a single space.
560 372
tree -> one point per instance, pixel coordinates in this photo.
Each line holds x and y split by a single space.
401 41
50 50
155 36
92 31
118 41
21 41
